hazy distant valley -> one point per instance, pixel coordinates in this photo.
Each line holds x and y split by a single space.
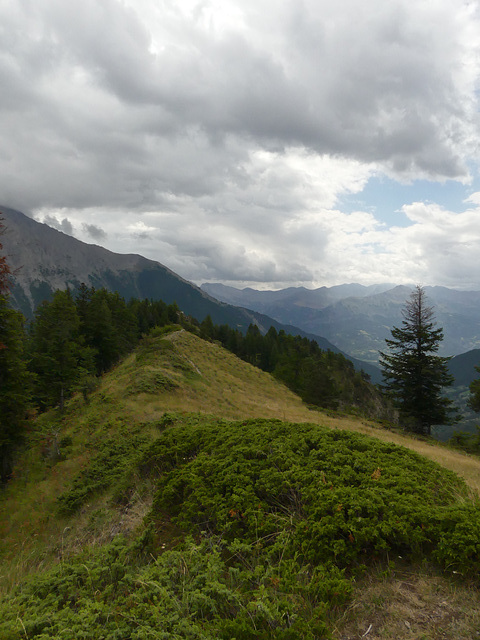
357 319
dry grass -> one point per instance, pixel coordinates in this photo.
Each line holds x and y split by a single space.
218 383
413 605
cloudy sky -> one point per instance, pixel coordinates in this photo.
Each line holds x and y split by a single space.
268 143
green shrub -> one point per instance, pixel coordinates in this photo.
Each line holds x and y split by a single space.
151 381
189 593
341 497
283 517
114 461
159 331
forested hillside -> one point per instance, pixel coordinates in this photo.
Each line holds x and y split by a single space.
356 318
320 377
44 260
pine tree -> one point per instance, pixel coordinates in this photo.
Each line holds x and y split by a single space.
14 377
414 375
108 325
14 385
59 357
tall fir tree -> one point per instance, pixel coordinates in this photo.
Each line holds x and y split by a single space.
14 385
414 375
108 325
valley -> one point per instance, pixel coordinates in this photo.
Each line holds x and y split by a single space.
357 319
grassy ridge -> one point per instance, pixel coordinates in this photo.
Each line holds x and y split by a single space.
284 517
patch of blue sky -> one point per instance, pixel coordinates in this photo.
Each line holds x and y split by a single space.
384 198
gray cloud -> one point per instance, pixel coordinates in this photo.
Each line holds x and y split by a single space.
375 84
61 225
94 232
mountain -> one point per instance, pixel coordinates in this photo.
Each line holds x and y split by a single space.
357 319
44 259
266 301
462 367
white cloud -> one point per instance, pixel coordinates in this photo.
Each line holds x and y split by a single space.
474 198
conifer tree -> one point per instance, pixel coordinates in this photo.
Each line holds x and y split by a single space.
14 377
14 385
108 325
59 357
414 375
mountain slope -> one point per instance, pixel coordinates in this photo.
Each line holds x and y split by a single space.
180 373
44 259
462 367
91 499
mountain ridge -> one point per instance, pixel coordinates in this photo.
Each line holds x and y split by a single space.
44 259
25 243
85 520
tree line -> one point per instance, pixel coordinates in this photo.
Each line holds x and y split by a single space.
321 378
76 337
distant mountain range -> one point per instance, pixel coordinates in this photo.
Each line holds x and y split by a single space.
44 259
357 319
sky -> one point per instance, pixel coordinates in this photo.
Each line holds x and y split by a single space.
264 143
